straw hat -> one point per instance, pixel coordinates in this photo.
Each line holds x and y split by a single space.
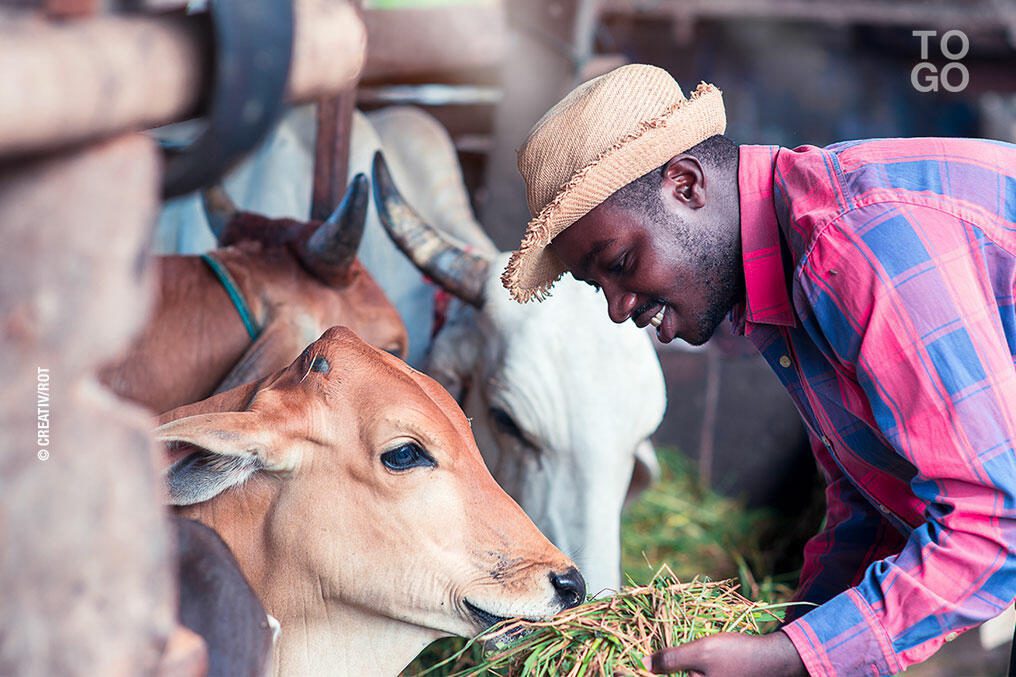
606 133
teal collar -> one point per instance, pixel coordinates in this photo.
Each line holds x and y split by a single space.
229 284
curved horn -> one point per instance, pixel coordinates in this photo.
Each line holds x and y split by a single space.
219 209
332 248
458 271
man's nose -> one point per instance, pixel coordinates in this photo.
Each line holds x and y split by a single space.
620 304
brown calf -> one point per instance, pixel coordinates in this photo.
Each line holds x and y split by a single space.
351 491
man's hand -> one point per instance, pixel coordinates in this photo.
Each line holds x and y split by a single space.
729 654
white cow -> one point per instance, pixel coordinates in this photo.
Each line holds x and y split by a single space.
562 401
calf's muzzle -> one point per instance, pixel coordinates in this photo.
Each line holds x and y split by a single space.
570 587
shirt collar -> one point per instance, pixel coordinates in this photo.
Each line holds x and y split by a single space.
767 300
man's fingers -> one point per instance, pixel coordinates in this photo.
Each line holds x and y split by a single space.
675 659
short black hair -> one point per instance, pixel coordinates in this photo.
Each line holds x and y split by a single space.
643 194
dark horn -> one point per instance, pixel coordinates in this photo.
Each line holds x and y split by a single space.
332 248
219 209
436 255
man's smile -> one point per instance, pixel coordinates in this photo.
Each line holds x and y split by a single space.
660 315
657 319
648 313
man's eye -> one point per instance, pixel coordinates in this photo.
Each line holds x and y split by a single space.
406 457
618 267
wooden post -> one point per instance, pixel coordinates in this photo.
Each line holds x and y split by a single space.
549 43
85 567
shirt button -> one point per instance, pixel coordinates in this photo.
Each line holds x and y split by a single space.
784 361
951 636
825 441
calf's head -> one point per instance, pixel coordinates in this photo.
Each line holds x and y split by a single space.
351 490
561 400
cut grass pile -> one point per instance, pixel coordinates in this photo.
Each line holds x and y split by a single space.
611 635
677 526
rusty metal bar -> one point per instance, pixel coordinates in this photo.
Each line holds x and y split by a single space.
331 151
331 159
70 82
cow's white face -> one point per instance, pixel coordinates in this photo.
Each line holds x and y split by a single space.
559 398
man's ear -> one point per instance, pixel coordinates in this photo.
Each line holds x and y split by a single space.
222 450
684 182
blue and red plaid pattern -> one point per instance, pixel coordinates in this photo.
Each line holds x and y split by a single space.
880 281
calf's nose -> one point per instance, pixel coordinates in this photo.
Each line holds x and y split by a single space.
570 586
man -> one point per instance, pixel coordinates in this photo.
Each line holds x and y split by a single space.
877 279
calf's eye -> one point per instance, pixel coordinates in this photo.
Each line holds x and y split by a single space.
320 365
407 456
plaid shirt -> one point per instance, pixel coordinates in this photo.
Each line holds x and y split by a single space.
880 281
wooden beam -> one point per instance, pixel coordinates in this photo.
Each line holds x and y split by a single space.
75 81
435 44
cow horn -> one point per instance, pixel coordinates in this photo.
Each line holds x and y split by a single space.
458 271
219 209
332 248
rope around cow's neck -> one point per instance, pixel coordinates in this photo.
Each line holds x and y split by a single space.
233 291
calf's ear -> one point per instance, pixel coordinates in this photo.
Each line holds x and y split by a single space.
221 450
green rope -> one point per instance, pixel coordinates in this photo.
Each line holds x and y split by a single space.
229 284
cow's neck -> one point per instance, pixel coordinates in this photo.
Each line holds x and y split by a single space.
239 517
319 636
345 641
